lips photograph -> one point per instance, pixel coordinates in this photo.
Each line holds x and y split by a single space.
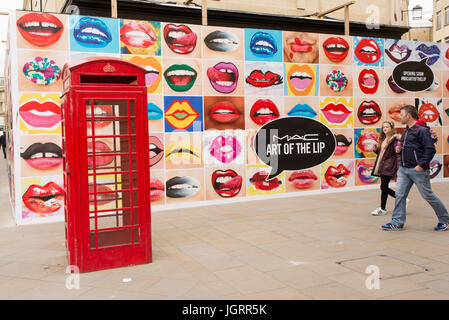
184 185
157 188
301 47
181 39
258 185
222 113
37 29
368 51
335 50
223 77
140 37
43 199
303 180
370 82
223 41
94 34
344 139
366 141
263 111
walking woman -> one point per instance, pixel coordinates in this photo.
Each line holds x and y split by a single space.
387 163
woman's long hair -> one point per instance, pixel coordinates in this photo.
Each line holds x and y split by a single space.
383 136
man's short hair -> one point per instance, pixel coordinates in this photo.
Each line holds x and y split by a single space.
411 110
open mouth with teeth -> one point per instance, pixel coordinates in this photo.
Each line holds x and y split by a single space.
259 79
92 32
336 49
428 112
263 44
397 53
226 183
138 34
40 29
260 183
44 200
368 141
101 112
182 187
156 149
300 79
369 112
368 81
435 168
180 77
43 156
336 113
180 38
223 77
337 177
225 149
102 195
368 51
224 112
222 41
46 114
263 111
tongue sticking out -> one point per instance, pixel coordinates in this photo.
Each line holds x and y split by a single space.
232 184
216 75
186 40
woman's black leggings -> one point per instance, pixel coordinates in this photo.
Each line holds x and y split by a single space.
384 181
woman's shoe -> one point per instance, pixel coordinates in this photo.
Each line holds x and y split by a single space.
379 212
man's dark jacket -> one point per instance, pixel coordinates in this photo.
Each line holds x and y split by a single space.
417 146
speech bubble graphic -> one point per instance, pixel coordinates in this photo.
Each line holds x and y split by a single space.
413 76
293 143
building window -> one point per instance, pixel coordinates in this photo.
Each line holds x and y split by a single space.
438 20
446 16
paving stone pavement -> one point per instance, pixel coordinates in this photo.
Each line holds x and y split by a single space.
300 248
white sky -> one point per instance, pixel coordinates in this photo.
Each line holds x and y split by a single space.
6 5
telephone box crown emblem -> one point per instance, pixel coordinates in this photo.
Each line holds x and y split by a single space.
108 68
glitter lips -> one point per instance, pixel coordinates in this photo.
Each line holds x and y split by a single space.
43 156
368 51
92 33
260 183
44 200
226 183
180 38
336 49
337 177
223 77
336 80
369 112
40 29
42 71
262 44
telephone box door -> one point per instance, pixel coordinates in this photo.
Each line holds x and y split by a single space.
113 133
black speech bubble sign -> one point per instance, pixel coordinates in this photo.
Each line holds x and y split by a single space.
414 76
293 143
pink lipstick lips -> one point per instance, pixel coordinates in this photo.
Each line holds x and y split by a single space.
101 156
336 113
223 77
263 111
224 112
40 115
303 179
157 189
43 156
225 149
137 34
226 183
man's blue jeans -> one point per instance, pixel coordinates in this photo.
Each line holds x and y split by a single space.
405 180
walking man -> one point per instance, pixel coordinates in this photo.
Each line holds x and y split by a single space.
417 150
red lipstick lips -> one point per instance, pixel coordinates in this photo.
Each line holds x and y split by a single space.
428 112
337 177
137 34
224 112
157 189
369 112
262 80
368 81
368 51
263 111
180 38
259 182
336 49
226 183
40 29
336 113
44 200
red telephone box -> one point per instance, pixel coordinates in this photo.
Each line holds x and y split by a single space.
106 164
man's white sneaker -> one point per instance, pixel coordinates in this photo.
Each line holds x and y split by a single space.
379 212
